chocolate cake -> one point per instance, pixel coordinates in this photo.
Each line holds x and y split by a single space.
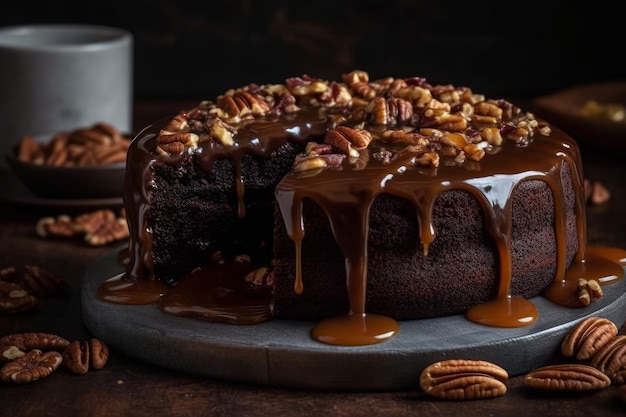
354 203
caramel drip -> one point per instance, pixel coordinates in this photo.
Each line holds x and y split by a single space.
346 195
120 290
220 293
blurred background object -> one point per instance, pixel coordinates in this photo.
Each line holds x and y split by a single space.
190 48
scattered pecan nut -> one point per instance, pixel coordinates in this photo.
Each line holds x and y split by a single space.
16 299
18 344
588 291
461 379
595 192
348 140
30 367
567 377
587 337
611 359
81 356
97 228
42 282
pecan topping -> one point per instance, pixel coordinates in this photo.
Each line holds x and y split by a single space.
30 367
315 157
391 112
262 276
241 103
358 111
567 377
176 143
348 140
459 379
588 337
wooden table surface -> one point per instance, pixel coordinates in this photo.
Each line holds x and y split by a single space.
129 387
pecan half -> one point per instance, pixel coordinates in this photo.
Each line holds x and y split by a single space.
32 366
588 336
76 357
81 356
566 377
460 379
99 353
611 359
15 299
42 282
16 345
348 140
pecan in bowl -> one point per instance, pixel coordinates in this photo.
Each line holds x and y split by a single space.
83 163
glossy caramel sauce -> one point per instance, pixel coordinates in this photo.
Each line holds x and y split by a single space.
346 193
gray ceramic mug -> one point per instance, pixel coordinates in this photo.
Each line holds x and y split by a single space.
60 77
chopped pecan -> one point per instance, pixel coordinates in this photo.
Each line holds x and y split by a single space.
588 336
460 379
588 291
315 157
262 276
566 377
443 120
32 366
16 345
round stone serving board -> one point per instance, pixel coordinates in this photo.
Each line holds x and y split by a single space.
281 353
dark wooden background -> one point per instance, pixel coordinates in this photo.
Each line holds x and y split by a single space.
192 48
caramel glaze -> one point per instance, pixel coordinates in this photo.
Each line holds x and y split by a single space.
346 195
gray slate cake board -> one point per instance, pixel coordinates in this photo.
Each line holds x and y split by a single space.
282 353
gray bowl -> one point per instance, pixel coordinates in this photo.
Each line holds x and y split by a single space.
85 182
